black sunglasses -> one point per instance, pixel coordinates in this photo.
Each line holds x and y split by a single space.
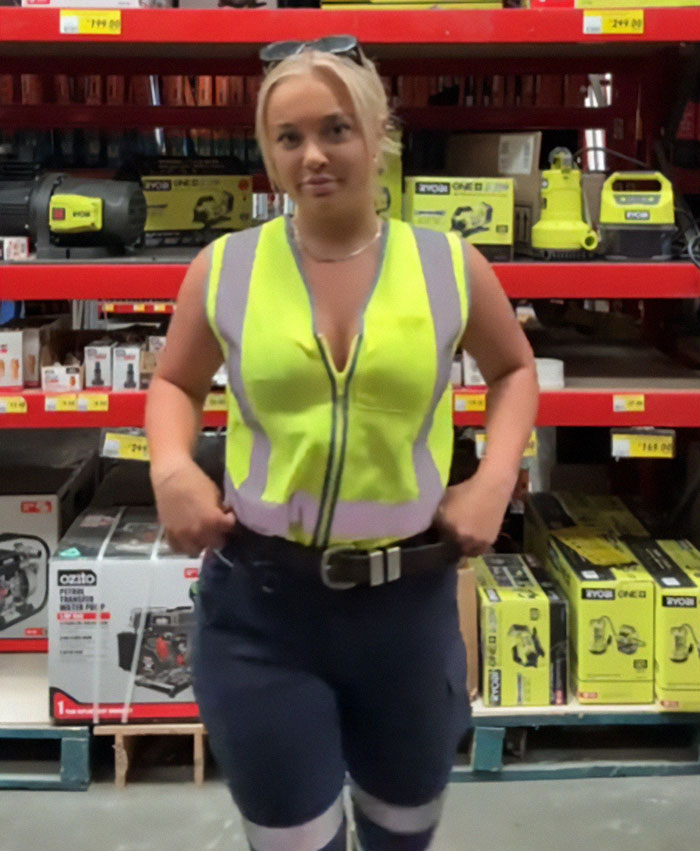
340 45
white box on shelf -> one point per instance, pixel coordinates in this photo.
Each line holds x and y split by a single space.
14 248
11 372
126 366
62 379
98 365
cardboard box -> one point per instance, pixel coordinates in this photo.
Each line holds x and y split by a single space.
523 633
36 505
98 364
121 621
62 379
675 569
515 155
469 623
126 367
11 369
611 601
479 209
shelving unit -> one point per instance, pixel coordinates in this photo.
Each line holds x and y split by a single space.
161 41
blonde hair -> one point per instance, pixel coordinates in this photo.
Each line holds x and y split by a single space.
362 83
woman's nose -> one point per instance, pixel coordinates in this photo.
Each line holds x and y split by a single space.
314 156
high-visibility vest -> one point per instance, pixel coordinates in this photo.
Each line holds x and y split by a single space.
327 457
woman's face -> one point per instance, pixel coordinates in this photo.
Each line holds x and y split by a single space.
316 143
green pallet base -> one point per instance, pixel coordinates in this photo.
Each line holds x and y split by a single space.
74 768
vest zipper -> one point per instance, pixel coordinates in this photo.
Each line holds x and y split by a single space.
339 432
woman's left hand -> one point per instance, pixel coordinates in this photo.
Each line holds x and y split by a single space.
472 513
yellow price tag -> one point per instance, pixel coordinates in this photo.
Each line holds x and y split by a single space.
90 22
138 307
129 447
215 402
613 22
643 445
93 402
472 402
64 404
13 405
628 403
160 307
108 307
530 449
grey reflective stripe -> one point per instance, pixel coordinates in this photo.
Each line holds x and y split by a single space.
236 274
311 836
394 818
443 295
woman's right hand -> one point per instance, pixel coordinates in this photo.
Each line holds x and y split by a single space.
191 509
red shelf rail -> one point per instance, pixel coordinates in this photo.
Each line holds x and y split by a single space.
155 280
663 408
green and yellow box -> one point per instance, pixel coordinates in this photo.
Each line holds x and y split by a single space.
479 209
523 628
674 566
388 203
611 603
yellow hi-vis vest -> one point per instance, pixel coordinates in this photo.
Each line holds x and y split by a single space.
324 457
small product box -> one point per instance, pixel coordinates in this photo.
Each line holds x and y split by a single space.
523 622
14 248
155 343
121 621
36 505
62 379
479 209
611 598
126 366
147 368
98 365
11 371
675 568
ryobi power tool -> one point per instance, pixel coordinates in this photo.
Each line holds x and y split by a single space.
527 649
627 640
23 577
561 232
164 657
66 216
683 638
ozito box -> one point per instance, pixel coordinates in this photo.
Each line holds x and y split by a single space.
121 621
479 209
611 604
675 569
36 505
523 626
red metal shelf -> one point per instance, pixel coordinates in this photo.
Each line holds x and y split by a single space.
394 29
134 280
663 408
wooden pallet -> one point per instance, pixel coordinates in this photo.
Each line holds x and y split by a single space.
492 727
69 770
125 736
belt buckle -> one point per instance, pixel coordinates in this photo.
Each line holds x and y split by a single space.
326 566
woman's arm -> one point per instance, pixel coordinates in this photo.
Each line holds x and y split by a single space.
189 502
473 510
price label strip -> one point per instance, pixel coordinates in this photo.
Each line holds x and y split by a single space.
628 403
66 403
530 449
470 402
613 22
653 443
128 447
215 402
97 402
13 405
90 22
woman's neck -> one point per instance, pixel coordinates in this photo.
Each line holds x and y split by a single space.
324 234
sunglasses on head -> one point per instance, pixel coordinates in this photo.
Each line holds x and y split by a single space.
340 45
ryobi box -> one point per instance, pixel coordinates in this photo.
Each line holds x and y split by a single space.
523 632
187 200
611 604
388 201
121 621
637 217
675 568
480 209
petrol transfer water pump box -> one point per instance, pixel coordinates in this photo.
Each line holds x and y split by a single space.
479 209
523 629
121 621
675 569
611 604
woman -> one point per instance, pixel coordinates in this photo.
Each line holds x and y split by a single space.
328 639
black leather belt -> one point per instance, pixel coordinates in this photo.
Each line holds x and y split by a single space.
344 567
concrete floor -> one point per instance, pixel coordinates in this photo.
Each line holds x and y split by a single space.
621 814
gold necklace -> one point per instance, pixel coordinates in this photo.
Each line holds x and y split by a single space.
300 244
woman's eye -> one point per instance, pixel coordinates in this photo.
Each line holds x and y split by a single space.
288 139
341 130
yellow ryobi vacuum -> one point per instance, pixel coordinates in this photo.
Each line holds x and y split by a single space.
637 216
561 232
627 639
683 638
